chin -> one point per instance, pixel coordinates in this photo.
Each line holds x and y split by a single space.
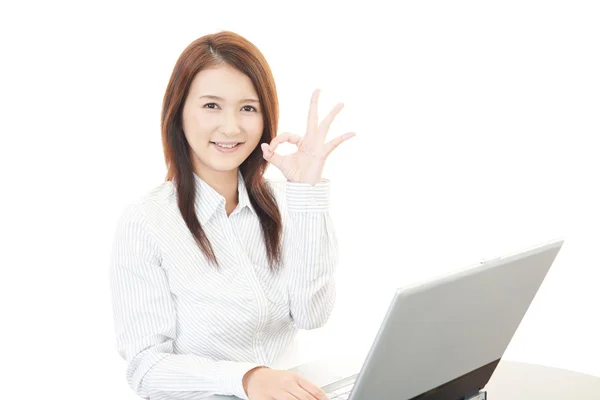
224 166
221 162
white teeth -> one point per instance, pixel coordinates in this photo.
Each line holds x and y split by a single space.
226 146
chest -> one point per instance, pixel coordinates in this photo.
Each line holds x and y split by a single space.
243 278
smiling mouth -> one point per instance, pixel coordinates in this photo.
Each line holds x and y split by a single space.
226 145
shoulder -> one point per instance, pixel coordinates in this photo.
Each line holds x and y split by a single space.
148 208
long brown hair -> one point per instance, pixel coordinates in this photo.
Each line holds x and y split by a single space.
220 48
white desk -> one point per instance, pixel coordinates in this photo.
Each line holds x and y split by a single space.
520 381
510 381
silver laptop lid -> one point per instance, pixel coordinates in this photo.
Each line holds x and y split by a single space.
436 331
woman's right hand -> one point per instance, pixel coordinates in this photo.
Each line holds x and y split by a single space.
263 383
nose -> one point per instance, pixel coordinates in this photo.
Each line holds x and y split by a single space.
229 124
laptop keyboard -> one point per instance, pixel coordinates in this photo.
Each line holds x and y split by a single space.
341 392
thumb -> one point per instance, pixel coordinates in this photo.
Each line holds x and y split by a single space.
271 156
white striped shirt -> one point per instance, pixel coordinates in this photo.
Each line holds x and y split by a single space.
188 330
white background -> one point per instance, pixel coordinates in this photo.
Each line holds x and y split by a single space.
477 132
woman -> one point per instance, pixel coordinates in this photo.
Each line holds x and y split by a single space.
215 270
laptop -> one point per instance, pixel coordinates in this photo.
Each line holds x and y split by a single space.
442 339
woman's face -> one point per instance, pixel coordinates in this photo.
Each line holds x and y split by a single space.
222 120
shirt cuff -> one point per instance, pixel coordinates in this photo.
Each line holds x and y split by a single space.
233 381
302 197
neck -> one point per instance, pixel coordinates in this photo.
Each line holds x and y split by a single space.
223 182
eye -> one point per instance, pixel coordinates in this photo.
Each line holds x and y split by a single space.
252 107
210 104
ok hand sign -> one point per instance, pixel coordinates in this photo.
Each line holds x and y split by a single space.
306 165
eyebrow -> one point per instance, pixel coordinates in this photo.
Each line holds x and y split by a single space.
221 99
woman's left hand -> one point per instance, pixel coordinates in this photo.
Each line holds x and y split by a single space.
306 165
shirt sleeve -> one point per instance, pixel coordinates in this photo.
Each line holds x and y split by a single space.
145 324
311 253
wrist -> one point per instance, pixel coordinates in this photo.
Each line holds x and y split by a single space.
302 197
248 375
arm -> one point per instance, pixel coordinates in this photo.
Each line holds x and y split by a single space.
311 253
145 325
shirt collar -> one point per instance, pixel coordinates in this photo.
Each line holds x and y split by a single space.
208 200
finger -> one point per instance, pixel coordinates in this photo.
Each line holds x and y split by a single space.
311 388
301 394
271 156
313 113
284 137
335 142
284 396
324 128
